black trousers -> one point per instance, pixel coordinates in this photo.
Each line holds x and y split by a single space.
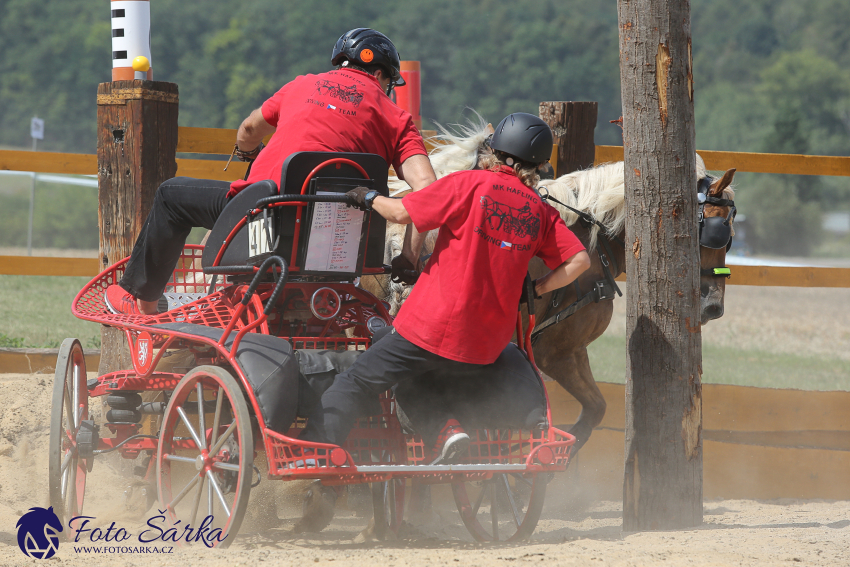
388 362
180 205
430 390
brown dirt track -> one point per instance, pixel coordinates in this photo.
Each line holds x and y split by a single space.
572 531
576 529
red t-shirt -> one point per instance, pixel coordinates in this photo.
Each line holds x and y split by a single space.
338 111
464 306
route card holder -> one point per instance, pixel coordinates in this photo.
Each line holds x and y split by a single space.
333 235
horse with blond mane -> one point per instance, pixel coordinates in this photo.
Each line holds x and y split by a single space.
591 202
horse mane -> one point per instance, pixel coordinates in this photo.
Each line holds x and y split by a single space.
455 149
599 191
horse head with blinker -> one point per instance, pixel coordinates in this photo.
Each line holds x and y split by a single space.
716 215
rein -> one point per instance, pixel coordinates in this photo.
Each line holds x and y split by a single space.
602 289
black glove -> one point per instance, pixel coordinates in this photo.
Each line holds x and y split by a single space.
524 297
404 270
358 198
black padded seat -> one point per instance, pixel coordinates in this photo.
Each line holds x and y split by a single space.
269 365
295 170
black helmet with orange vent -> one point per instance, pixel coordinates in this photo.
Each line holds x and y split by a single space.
366 47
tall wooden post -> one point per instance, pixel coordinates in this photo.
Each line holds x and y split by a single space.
663 467
573 124
136 149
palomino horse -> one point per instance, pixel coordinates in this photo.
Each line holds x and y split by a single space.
591 202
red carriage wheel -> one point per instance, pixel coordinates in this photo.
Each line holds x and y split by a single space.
70 407
205 459
325 303
505 507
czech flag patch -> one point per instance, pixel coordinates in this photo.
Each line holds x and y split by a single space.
505 245
331 107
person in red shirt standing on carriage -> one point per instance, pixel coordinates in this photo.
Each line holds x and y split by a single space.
462 311
344 110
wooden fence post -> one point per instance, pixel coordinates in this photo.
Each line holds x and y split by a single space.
136 150
663 434
573 124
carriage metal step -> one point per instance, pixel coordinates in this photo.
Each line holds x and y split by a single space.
440 468
178 299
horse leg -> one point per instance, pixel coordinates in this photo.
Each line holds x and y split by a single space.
575 376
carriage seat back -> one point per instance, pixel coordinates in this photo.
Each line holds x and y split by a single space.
296 172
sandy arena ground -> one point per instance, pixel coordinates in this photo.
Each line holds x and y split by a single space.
573 530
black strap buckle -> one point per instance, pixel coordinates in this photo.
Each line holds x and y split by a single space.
603 290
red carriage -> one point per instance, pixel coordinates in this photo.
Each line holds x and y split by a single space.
276 282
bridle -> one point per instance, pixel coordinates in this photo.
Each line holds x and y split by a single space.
714 232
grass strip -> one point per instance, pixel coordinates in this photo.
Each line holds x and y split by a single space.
735 366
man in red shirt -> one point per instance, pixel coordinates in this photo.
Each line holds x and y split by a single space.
462 312
344 110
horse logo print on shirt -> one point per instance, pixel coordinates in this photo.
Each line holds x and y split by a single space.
520 222
339 92
38 533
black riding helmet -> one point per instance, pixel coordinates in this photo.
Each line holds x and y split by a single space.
364 46
524 136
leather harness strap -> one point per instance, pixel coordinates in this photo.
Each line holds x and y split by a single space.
602 289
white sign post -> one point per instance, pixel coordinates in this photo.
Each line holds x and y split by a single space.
37 133
36 130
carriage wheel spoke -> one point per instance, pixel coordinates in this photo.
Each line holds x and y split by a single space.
479 500
203 430
522 479
507 488
225 466
66 461
76 396
217 418
494 514
174 502
197 501
218 492
179 459
72 489
191 429
225 436
69 408
65 475
209 499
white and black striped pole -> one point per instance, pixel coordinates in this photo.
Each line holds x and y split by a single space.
131 39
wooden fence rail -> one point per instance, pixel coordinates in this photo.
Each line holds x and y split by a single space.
754 162
219 141
741 275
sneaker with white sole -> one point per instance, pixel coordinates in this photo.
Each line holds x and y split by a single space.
451 445
120 302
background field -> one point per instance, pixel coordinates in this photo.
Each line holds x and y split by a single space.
768 337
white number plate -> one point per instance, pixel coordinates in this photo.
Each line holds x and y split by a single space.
260 236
